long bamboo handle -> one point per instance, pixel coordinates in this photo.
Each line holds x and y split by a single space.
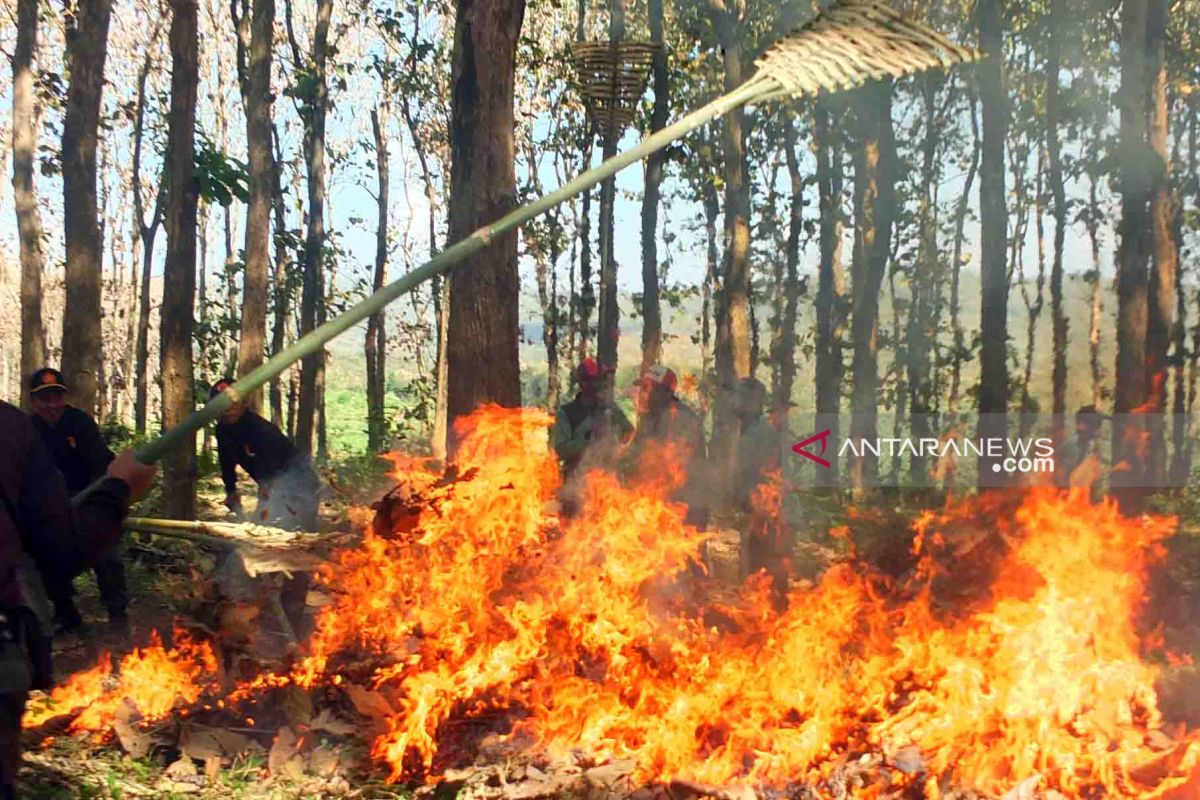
155 449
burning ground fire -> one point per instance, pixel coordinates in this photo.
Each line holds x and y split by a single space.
586 635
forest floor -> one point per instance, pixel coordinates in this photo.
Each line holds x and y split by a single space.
168 583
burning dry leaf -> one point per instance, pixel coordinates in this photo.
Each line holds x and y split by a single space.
323 761
204 743
284 759
369 703
137 744
608 776
181 777
326 721
297 706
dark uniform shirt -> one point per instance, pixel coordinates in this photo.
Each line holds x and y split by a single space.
77 447
575 427
258 447
36 513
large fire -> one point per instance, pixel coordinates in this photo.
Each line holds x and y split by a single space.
589 634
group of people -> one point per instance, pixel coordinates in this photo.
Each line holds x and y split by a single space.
590 428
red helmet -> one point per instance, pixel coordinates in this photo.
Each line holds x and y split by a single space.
591 370
659 375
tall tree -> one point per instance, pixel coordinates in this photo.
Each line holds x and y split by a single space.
608 325
1164 252
1058 191
733 344
87 48
784 348
179 273
282 290
875 203
993 223
655 165
482 343
831 284
312 92
146 232
921 330
254 75
376 341
29 220
1133 255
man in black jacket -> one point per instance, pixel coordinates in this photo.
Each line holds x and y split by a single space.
79 452
289 490
37 522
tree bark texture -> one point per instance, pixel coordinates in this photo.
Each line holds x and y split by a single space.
179 274
87 40
315 107
831 284
733 344
257 102
875 209
482 353
993 324
1132 257
655 166
29 220
376 341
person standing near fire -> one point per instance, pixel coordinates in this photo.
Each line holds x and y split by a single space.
664 418
80 454
289 490
587 420
39 526
765 541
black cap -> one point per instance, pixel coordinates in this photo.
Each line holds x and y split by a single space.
46 379
219 387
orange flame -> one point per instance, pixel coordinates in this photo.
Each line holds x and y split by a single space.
579 625
154 680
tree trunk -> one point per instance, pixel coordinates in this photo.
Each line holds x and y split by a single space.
1132 257
785 351
875 201
993 325
1097 300
608 325
1165 254
376 341
1187 359
921 330
960 219
29 220
87 39
587 298
1058 192
257 101
179 274
482 351
283 298
831 285
733 299
146 233
315 107
712 210
651 312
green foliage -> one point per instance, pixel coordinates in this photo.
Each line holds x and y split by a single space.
220 177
